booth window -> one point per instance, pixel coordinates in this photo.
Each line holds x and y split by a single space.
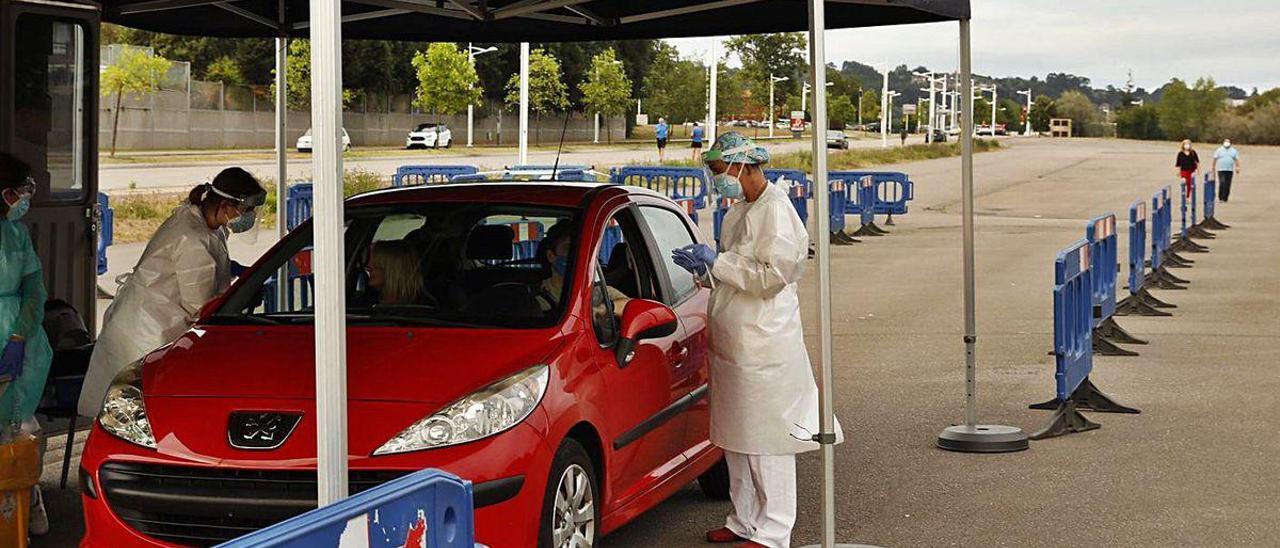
49 103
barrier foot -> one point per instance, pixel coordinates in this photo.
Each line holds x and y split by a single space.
840 238
1148 298
889 220
869 229
1162 279
1112 331
1087 396
1103 347
1187 246
1213 224
1066 419
1134 306
1198 231
1173 260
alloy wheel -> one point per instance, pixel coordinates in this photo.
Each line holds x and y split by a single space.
574 515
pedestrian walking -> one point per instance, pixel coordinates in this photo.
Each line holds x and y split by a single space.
1188 164
763 397
904 136
1226 164
696 141
661 132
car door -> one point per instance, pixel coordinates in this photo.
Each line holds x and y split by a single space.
646 428
669 229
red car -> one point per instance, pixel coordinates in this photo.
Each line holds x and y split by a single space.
570 416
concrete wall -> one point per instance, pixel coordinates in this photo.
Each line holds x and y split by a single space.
163 121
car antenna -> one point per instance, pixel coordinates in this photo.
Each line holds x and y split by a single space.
556 166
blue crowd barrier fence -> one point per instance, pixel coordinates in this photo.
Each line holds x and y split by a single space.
300 286
1211 205
1104 263
861 199
675 182
799 189
1073 346
430 175
893 191
1161 231
612 237
106 230
526 237
690 207
1193 228
298 205
1158 236
1139 302
717 217
426 508
839 192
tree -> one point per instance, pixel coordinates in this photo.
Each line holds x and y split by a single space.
676 88
446 79
1076 106
607 90
1010 114
547 90
298 77
225 70
1042 110
870 106
841 112
136 71
981 112
1185 112
1141 122
765 55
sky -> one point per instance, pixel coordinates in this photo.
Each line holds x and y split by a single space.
1237 42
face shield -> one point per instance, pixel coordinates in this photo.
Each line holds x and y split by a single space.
249 208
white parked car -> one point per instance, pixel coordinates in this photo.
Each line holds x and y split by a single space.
429 135
304 142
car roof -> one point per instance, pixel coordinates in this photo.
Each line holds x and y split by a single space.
556 194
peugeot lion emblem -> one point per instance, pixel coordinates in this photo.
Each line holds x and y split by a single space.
260 430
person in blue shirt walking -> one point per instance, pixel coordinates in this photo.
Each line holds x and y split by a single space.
661 133
1226 163
696 145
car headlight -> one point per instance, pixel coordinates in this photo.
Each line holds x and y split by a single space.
491 410
123 413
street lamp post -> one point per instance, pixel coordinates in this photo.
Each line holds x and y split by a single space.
804 95
1026 130
978 91
772 114
472 52
884 107
888 116
933 104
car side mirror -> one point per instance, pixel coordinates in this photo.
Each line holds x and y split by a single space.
641 320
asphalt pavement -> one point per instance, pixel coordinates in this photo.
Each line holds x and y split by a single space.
1196 468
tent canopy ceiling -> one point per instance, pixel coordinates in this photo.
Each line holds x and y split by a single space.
520 20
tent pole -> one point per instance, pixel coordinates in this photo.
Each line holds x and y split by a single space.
524 103
282 159
971 436
711 107
330 330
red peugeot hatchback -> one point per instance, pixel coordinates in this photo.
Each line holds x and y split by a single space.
508 367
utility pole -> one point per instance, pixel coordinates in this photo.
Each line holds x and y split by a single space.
772 111
1026 130
884 107
859 108
472 52
889 112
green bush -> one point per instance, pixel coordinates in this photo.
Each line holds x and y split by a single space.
1141 122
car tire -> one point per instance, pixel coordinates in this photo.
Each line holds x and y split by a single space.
571 469
715 481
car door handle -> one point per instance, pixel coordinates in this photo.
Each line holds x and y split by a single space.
679 354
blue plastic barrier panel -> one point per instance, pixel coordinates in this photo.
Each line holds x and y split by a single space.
1072 318
717 216
1137 245
1210 196
1104 253
839 192
1156 228
867 199
430 175
674 182
425 509
690 207
298 205
106 230
612 237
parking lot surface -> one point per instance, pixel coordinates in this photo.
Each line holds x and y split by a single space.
1196 468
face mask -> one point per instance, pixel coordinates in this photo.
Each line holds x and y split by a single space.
243 223
1186 147
560 265
727 185
18 209
1226 144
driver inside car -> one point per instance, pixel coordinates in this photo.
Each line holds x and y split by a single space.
555 258
393 274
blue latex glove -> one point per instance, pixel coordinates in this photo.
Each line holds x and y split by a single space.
237 269
703 253
687 261
12 357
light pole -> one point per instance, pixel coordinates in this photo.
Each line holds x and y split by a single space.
804 95
1026 130
980 90
933 103
524 103
596 137
884 107
860 111
711 103
772 114
472 52
888 113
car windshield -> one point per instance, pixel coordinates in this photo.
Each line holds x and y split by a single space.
424 127
450 264
835 134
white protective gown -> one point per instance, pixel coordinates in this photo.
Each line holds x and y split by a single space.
184 266
763 394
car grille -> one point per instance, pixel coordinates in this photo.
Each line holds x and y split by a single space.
207 506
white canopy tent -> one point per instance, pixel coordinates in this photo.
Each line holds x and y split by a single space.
523 21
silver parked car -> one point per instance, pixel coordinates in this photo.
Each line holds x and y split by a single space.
837 139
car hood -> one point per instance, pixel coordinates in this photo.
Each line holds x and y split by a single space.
383 364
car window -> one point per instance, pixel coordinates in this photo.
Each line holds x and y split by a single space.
456 264
669 233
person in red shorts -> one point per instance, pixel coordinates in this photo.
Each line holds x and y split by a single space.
1188 164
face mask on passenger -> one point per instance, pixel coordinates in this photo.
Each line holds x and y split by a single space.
560 264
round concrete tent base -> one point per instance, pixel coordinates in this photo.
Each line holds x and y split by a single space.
983 438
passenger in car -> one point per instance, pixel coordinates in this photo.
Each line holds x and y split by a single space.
555 257
393 273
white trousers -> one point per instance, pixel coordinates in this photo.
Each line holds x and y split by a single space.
763 490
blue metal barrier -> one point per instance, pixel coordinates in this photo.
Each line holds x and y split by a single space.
839 191
612 237
298 206
300 282
528 236
1103 256
1072 318
893 190
690 207
799 189
1158 227
426 508
1210 197
106 230
1137 245
717 217
430 175
674 182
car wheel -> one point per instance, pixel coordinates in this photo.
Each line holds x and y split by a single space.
715 481
570 506
448 143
